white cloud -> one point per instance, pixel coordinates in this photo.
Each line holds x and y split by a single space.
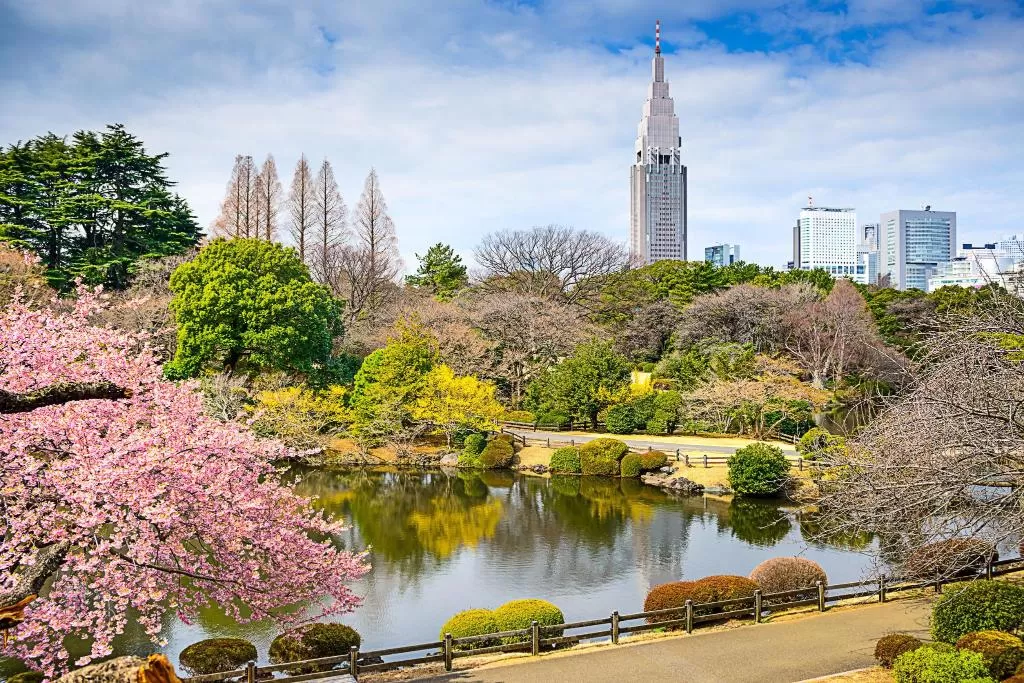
485 117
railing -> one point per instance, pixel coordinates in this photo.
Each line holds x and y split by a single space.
537 637
568 427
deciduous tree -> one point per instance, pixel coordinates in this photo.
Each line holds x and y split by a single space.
301 204
268 200
330 227
237 216
454 403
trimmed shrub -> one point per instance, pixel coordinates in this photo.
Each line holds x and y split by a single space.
631 466
26 677
312 641
652 460
722 587
889 647
497 453
1003 652
759 469
602 457
474 444
668 596
977 606
215 655
553 418
507 438
520 614
817 442
620 419
520 416
781 574
945 558
940 665
565 461
471 622
1016 678
470 460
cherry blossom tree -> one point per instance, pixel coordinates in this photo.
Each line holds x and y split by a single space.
120 497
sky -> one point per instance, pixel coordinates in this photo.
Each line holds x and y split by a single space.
482 115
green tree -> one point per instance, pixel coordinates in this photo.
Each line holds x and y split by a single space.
251 301
759 469
441 271
582 384
93 207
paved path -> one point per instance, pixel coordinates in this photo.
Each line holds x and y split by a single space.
635 443
782 652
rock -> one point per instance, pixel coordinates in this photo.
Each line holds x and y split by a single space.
449 460
718 490
667 481
667 469
539 469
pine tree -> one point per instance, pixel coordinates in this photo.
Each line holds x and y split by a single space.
301 202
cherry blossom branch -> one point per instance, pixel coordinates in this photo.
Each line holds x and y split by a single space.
58 394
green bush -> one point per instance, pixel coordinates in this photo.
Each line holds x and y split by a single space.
520 614
670 595
759 469
977 606
215 655
652 460
497 453
471 622
945 558
553 418
474 444
565 461
312 641
470 460
26 677
520 416
1003 652
602 456
889 647
630 466
620 419
667 408
940 665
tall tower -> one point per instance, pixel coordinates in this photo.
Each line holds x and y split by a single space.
657 227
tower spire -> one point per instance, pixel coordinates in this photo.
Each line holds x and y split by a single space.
657 36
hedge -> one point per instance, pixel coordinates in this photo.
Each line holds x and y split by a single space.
471 622
977 606
565 461
759 469
631 466
497 453
1003 652
602 456
668 596
929 664
474 444
653 460
215 655
891 646
723 587
781 574
520 614
311 642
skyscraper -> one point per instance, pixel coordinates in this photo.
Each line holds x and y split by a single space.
826 238
657 228
722 254
912 244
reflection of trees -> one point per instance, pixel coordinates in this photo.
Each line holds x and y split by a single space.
757 522
813 529
450 525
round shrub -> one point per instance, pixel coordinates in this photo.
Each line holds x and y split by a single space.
652 460
26 677
620 419
311 642
1003 652
722 587
948 557
668 596
631 466
759 469
565 461
520 614
940 665
781 574
215 655
977 606
497 453
474 444
470 460
602 456
889 647
471 622
552 418
1016 678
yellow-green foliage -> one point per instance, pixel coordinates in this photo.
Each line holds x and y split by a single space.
602 457
300 417
1003 652
452 403
471 622
26 677
520 614
565 460
312 641
496 454
631 465
215 655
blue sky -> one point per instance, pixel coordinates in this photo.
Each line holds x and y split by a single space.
484 115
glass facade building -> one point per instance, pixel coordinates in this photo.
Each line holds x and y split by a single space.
913 243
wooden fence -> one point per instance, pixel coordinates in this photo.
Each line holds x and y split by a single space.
540 426
537 638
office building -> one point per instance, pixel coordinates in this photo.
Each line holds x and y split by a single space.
1012 246
826 238
657 228
722 254
866 263
974 266
913 243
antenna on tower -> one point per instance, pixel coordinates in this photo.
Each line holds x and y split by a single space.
810 200
657 36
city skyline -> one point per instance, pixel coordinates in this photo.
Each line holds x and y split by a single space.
870 105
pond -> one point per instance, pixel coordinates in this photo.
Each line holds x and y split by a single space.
446 542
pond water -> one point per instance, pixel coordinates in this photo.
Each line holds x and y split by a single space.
446 542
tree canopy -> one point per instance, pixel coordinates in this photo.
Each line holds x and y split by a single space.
250 300
441 271
91 207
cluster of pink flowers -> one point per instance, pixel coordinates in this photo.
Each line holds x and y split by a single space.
161 507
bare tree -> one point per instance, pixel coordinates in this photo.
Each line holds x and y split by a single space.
301 202
237 211
552 262
329 225
268 200
365 271
945 460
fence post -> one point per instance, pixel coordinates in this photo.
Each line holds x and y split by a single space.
572 442
687 455
988 568
549 442
705 461
250 672
821 596
881 588
447 652
677 455
535 638
615 627
800 464
535 423
353 661
757 606
938 585
689 616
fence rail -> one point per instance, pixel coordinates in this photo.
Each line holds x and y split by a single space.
568 427
535 639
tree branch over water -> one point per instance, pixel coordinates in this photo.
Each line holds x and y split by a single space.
58 394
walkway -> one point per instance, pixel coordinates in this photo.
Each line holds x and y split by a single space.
698 445
783 652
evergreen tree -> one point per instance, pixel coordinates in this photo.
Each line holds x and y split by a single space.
92 207
441 271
